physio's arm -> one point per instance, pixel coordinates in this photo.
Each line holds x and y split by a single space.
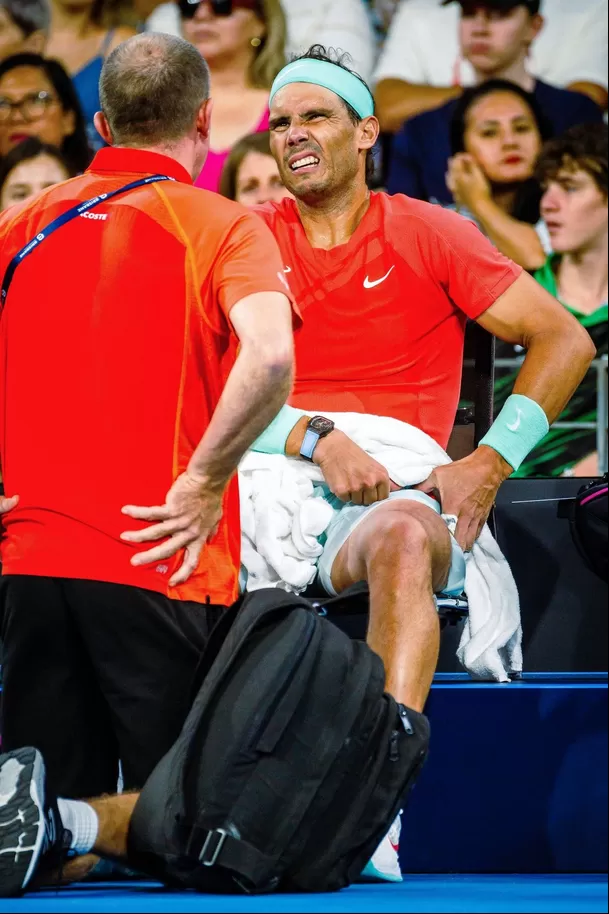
517 240
397 101
256 389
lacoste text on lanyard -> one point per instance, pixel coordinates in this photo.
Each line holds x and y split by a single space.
63 220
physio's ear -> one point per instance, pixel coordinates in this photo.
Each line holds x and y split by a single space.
204 118
103 127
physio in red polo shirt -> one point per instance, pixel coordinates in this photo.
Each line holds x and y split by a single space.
113 341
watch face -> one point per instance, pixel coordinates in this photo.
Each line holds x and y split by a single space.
321 425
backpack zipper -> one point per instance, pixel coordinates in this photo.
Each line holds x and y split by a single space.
405 720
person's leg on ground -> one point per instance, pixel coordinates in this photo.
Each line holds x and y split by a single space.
39 832
403 550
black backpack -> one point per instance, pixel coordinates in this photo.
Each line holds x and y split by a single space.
291 766
587 514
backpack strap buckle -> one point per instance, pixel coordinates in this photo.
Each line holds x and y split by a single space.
212 846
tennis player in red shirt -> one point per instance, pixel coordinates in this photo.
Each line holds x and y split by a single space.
385 285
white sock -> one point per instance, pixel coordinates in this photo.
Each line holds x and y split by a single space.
81 820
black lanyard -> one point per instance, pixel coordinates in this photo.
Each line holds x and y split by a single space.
63 220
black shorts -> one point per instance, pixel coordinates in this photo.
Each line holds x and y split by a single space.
96 673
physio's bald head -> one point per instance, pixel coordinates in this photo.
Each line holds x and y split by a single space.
151 89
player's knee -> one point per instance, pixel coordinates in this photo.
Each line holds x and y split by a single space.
399 539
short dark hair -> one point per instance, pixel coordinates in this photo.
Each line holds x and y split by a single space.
31 149
151 88
29 15
339 59
582 147
75 147
254 142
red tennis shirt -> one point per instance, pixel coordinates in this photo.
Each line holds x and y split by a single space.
384 315
113 346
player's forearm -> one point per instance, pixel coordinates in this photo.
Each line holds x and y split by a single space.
517 240
555 365
256 389
397 101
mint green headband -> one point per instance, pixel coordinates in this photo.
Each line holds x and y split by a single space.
322 73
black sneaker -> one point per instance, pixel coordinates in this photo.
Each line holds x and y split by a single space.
30 824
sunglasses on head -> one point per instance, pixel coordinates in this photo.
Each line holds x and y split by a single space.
188 8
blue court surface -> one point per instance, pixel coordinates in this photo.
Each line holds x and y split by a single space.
438 893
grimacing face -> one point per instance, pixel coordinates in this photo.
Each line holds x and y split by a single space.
575 211
503 137
316 145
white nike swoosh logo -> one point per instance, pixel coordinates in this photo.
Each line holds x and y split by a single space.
516 425
368 284
287 269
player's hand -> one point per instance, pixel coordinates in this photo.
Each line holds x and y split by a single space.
187 520
349 472
466 181
467 489
7 504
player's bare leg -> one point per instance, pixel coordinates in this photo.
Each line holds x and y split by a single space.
403 551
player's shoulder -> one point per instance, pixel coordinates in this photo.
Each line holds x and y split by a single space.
423 219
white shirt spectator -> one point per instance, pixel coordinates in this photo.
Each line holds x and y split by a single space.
343 25
422 45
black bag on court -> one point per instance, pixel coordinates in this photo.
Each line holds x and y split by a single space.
291 766
587 514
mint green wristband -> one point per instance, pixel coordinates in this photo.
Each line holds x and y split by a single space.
518 428
274 437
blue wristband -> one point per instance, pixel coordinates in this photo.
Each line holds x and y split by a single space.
274 437
518 428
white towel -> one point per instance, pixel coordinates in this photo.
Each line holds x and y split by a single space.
282 515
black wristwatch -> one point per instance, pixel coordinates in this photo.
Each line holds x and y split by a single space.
317 427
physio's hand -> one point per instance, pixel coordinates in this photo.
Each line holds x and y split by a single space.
467 489
349 472
7 504
187 520
466 181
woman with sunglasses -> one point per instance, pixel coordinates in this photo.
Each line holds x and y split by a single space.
243 41
83 32
37 98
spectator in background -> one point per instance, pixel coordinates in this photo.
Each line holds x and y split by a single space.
497 132
573 172
243 42
250 175
28 169
83 32
496 37
37 98
345 24
23 26
422 67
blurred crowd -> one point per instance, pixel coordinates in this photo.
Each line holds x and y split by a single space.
495 108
